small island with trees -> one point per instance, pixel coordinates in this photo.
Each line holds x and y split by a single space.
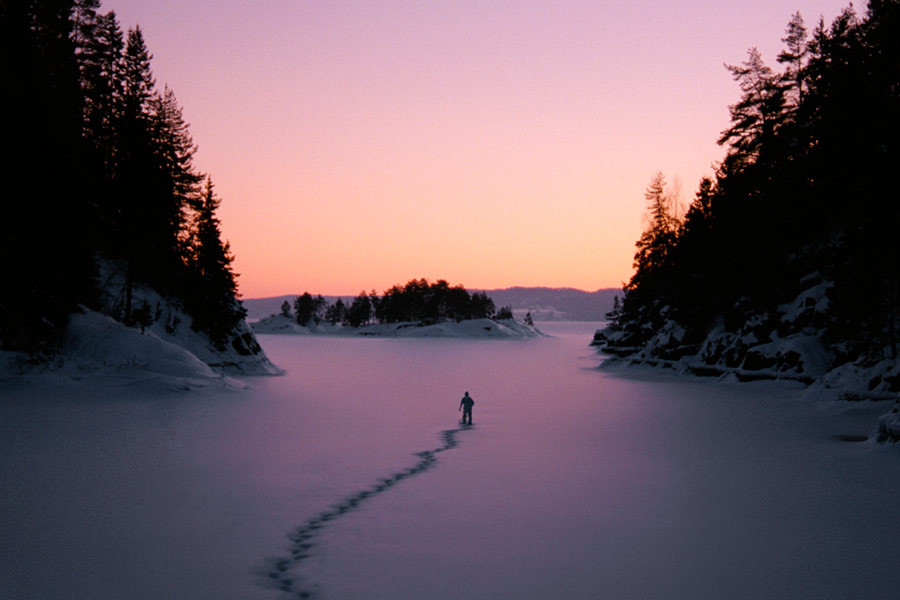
417 309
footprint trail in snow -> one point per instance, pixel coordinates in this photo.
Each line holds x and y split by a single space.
278 571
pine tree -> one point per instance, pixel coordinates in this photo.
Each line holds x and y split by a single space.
107 162
359 312
481 306
138 83
177 179
102 64
304 308
336 313
45 241
756 118
794 56
656 242
212 297
458 303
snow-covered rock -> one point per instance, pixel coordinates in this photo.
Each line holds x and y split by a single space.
889 425
865 381
798 357
808 309
783 343
94 342
241 354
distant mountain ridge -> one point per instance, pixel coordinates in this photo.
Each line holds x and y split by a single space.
544 304
556 304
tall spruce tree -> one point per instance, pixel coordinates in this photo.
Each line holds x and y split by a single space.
45 242
212 294
655 244
100 58
756 117
794 57
177 180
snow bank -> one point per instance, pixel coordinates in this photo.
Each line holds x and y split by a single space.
241 355
859 382
473 328
165 349
94 342
288 325
98 353
97 347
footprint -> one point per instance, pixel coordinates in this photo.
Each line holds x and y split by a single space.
300 548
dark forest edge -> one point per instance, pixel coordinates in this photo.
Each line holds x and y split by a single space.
111 209
786 263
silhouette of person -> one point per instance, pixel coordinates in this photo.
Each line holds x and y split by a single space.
466 405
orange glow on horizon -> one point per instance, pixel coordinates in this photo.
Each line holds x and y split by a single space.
358 146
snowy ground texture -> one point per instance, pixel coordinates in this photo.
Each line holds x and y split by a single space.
350 477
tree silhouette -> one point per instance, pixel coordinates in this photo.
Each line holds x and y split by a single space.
107 162
212 300
799 197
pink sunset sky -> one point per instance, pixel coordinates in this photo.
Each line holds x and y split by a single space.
360 144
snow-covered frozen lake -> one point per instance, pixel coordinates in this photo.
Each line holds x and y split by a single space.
350 477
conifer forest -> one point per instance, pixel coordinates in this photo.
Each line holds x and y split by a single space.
805 196
99 168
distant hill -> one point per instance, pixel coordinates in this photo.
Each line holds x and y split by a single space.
556 304
544 304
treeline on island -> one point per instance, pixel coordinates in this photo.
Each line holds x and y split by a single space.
416 301
100 176
796 233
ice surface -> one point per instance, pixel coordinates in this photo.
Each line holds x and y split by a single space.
573 482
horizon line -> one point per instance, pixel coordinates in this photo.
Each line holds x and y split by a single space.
513 287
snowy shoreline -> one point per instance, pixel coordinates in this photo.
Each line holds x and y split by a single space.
99 348
786 344
849 383
471 328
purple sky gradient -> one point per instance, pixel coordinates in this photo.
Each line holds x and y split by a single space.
361 144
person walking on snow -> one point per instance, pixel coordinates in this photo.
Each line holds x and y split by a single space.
466 405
